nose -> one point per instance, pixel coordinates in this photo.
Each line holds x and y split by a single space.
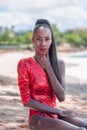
43 43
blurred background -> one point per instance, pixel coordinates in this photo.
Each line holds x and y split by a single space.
68 19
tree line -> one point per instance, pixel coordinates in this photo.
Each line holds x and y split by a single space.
74 37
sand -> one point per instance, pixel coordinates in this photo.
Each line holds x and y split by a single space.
13 115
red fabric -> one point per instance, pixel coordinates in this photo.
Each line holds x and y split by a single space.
34 84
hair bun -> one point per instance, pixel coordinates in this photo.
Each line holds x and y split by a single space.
42 21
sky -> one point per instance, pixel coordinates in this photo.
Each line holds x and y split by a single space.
22 14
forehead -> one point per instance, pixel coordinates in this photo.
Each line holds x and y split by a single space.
42 30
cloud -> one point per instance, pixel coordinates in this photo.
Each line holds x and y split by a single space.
23 13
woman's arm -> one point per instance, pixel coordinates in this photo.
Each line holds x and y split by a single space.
61 65
41 107
36 105
55 84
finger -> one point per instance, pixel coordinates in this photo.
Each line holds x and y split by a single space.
48 57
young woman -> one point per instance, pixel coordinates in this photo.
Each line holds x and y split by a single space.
41 80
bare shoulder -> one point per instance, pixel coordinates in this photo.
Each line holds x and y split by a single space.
61 63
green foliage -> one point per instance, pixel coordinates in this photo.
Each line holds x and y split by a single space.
5 35
28 37
76 37
10 37
73 37
57 35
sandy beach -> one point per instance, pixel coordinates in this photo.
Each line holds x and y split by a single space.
13 116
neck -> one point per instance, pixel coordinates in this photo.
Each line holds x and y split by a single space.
38 55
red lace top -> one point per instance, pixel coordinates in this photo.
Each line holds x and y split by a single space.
34 84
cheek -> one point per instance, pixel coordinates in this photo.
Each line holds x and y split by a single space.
49 44
36 46
35 43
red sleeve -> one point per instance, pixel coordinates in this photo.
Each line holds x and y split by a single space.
24 81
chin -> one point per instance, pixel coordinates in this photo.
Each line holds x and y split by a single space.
43 53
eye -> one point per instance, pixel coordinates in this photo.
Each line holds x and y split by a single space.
47 39
38 39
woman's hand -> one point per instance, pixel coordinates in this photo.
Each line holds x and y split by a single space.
67 113
43 61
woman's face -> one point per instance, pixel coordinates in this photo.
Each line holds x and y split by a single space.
42 39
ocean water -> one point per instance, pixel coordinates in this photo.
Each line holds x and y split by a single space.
76 65
79 55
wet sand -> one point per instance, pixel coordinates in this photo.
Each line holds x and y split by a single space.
13 116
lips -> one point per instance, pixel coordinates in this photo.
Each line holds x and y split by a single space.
43 49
